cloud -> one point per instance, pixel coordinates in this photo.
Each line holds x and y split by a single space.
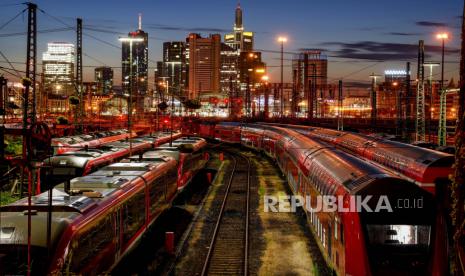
402 34
381 51
431 24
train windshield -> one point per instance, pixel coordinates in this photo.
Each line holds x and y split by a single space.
13 260
398 249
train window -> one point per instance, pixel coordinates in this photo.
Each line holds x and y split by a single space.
171 182
405 245
399 234
90 243
133 215
156 194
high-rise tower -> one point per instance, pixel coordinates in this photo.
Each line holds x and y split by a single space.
238 39
140 54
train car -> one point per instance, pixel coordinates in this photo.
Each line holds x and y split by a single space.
187 151
401 241
95 220
425 167
228 132
72 143
65 166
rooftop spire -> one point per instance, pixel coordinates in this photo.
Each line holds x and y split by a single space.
140 21
238 22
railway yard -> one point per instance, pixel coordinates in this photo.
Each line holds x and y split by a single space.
208 244
198 203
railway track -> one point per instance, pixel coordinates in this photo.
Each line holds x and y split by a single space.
228 250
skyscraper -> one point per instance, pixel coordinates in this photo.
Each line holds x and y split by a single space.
310 75
175 67
204 65
58 75
140 54
238 39
58 66
104 79
229 70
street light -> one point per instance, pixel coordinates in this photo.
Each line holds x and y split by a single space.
442 37
131 40
431 98
282 40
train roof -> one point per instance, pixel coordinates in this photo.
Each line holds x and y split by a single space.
61 202
15 224
328 167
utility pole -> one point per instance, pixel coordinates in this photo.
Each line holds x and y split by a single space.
79 93
458 185
398 91
306 87
373 99
340 114
266 108
408 110
230 103
420 115
30 80
442 133
313 91
3 97
294 94
247 98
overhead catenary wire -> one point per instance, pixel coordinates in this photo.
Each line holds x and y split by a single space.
11 65
12 19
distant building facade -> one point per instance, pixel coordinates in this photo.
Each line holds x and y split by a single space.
204 65
104 79
58 75
175 69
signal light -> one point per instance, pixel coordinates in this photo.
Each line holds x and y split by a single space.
165 121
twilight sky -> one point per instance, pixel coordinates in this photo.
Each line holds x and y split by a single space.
359 36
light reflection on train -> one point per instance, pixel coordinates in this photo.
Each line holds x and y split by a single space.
404 242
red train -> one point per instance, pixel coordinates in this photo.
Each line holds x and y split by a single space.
97 220
425 167
72 143
406 241
81 162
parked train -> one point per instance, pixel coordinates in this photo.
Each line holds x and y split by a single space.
427 168
98 218
67 165
72 143
406 241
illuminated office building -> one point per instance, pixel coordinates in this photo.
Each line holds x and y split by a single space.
58 75
104 79
140 54
239 39
204 65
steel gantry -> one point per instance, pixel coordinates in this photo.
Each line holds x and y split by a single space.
420 116
80 107
442 129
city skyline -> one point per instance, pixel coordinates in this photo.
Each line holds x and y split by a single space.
367 44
